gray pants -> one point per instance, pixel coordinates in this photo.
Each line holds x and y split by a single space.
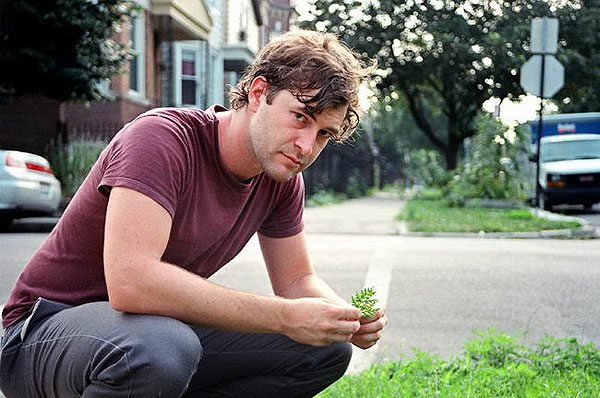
92 350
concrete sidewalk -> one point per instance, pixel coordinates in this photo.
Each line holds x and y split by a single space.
376 215
372 215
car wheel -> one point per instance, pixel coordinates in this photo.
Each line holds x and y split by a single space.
588 206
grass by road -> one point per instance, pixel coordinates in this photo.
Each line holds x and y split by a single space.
437 216
493 365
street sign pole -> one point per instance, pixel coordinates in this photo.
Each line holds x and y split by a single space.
544 43
538 188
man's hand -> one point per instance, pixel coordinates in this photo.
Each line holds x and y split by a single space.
320 322
370 330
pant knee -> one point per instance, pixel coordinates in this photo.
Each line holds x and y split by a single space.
160 357
170 354
338 358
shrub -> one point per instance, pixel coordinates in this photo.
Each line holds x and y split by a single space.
491 168
428 167
72 163
323 198
493 365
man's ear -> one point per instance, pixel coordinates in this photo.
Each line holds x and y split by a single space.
258 88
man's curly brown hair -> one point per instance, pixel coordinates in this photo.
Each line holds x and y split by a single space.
302 61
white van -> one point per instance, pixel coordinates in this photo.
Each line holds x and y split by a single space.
570 170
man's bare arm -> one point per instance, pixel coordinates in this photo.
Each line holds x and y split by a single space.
136 234
293 276
290 270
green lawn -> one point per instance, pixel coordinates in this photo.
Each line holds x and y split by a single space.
437 216
493 365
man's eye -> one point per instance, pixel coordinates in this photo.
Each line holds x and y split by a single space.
299 116
325 133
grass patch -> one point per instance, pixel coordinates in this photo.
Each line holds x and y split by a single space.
493 365
429 194
437 216
324 198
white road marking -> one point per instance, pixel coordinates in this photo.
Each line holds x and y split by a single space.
379 276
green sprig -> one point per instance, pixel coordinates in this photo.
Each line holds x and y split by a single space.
365 301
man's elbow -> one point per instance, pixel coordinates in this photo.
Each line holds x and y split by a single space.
124 288
121 298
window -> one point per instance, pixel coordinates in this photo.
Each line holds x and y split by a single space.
137 39
190 73
242 35
276 32
570 150
188 78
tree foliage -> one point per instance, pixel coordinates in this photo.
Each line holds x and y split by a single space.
494 165
579 37
395 137
447 55
60 48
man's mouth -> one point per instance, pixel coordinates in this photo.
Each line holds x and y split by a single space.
295 161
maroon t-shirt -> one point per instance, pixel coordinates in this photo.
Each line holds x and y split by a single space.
172 156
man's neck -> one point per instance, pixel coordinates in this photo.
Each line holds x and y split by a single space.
234 146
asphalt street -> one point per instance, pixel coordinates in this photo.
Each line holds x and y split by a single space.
438 290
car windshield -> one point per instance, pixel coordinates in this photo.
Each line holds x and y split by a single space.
570 150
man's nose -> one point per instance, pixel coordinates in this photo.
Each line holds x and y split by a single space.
306 141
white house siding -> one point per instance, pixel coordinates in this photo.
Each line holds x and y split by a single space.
216 40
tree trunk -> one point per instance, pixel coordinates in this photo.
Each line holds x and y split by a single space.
452 150
451 155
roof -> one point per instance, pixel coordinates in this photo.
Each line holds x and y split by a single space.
569 117
570 137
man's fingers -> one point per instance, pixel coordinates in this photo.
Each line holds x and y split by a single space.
347 327
368 336
365 341
380 313
343 337
349 313
372 327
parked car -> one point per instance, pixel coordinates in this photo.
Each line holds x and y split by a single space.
28 187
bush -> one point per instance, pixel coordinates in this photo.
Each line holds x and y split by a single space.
428 167
493 365
324 197
491 168
357 185
73 162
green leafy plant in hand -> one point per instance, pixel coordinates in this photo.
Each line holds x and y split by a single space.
365 301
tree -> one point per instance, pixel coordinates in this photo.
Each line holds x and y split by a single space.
60 48
579 37
395 136
451 55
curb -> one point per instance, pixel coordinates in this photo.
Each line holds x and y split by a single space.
586 231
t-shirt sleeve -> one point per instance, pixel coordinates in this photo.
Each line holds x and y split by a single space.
286 218
148 156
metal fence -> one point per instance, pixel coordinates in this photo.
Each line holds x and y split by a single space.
95 131
342 168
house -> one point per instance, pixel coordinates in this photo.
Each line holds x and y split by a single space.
148 83
187 53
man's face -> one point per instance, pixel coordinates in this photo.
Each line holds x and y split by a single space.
285 138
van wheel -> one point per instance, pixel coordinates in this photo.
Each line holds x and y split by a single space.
5 222
544 203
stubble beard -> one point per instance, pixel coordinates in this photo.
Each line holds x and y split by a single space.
259 142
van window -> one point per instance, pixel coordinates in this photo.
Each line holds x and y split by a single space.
570 150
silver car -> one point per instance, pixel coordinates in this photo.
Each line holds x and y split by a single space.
28 187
